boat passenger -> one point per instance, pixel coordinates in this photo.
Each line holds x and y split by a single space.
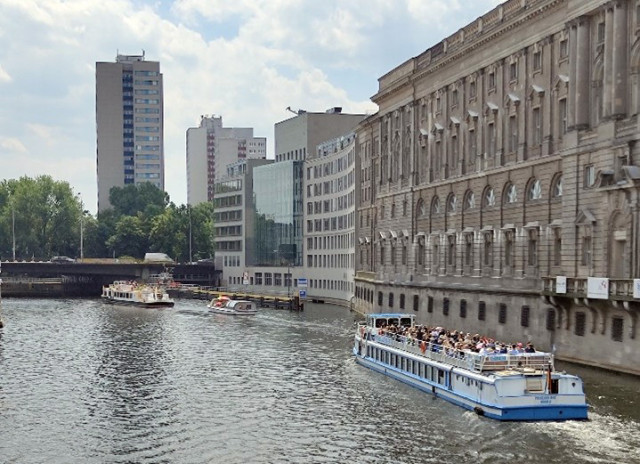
529 348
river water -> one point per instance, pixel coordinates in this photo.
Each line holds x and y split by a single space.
86 382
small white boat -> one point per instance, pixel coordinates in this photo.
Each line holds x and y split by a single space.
522 387
133 293
225 305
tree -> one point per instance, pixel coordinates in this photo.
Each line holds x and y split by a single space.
143 198
41 211
130 237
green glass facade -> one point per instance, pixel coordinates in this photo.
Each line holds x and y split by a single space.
277 201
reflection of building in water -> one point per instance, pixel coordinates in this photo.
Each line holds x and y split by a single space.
500 158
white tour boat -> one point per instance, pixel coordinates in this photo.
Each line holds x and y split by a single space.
138 294
225 305
508 387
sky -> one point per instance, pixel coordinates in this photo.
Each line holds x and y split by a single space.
244 60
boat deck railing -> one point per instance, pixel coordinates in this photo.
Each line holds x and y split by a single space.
460 358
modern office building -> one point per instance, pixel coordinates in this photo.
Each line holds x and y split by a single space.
300 135
500 181
330 194
129 124
234 219
275 246
210 149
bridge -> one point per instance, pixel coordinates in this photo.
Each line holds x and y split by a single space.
86 278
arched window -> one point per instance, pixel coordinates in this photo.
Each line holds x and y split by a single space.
435 205
452 203
469 201
556 186
510 195
489 198
420 209
534 191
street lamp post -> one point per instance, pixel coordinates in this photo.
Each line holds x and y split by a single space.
13 230
81 227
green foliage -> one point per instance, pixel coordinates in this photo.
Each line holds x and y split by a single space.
43 213
49 217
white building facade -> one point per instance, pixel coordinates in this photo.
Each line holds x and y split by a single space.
210 148
329 198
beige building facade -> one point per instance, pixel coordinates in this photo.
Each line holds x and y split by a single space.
499 182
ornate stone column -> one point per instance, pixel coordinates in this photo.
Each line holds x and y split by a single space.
608 87
583 97
573 56
620 59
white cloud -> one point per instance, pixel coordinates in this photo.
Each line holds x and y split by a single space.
4 75
11 147
246 60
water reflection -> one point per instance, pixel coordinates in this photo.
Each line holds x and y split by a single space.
81 381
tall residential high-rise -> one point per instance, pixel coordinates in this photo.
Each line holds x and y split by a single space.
210 149
129 124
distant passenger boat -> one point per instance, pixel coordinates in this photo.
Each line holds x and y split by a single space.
138 294
517 387
225 305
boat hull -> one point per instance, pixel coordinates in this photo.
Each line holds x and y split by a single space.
140 304
232 313
537 412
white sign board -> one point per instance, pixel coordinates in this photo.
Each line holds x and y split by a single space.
561 284
636 288
302 282
245 278
598 288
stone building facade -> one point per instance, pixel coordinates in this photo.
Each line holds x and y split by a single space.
501 158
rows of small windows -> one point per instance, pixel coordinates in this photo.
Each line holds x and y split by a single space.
227 231
329 187
147 165
332 167
333 261
444 248
579 317
227 201
510 196
143 156
146 73
228 245
329 224
299 154
228 186
152 82
415 367
331 242
147 175
225 216
147 101
231 261
331 205
146 92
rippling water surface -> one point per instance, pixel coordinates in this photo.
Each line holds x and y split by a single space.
86 382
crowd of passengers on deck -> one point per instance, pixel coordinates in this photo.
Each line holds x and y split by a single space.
452 342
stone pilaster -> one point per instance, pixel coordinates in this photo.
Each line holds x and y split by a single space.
582 98
620 59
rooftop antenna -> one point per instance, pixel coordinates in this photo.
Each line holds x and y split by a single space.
299 112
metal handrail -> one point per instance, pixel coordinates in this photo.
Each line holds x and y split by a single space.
460 358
